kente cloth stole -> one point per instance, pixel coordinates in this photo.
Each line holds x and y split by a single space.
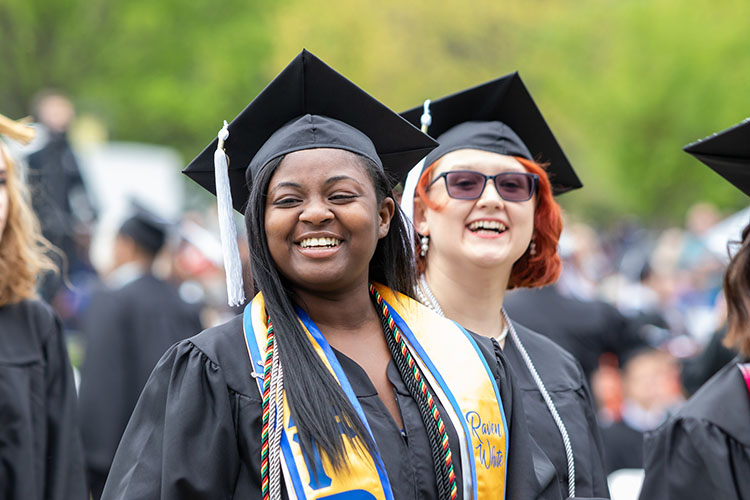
459 377
745 369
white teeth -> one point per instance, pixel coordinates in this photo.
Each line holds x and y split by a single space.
487 224
319 242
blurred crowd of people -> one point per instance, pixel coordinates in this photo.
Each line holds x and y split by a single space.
642 311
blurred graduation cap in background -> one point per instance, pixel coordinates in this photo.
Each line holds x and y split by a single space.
498 116
727 153
145 228
308 105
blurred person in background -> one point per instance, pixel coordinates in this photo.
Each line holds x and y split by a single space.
651 388
197 266
58 190
127 328
574 316
698 369
585 328
488 222
40 449
703 451
585 262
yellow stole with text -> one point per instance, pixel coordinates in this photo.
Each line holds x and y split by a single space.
459 377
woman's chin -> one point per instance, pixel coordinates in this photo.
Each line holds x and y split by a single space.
323 282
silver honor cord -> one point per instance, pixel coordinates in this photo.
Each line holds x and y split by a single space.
276 419
426 297
550 405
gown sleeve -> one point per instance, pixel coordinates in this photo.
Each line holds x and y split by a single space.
690 458
181 440
65 477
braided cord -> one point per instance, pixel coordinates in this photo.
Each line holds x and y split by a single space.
550 405
271 411
277 416
414 380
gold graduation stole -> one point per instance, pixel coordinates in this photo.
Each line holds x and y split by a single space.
459 377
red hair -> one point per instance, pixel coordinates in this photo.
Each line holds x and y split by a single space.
529 271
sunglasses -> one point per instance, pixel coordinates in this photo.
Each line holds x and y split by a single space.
469 185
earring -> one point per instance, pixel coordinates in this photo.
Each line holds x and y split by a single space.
425 244
532 248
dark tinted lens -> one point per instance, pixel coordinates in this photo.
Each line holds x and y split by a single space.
464 185
514 186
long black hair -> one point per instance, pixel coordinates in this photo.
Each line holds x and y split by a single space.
320 410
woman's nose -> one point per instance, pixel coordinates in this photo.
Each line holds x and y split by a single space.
316 212
490 196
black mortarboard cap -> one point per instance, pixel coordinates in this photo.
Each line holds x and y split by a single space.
146 229
310 105
501 117
727 153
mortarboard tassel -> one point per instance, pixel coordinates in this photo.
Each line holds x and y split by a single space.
410 186
426 118
227 230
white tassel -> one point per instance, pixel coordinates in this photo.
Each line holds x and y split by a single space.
407 198
426 118
232 262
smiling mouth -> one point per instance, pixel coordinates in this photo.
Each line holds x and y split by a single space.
319 243
487 226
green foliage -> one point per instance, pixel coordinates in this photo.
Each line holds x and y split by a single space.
624 85
161 72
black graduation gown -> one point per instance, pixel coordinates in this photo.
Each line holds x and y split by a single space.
40 449
127 330
566 383
623 446
697 370
195 432
586 329
703 451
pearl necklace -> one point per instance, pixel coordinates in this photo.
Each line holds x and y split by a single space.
430 301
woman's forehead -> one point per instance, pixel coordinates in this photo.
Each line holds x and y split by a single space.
482 161
320 163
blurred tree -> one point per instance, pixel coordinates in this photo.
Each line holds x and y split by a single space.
622 84
163 72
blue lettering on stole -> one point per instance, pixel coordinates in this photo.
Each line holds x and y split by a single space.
489 456
319 479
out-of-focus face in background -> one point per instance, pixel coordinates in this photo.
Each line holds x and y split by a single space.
56 112
651 380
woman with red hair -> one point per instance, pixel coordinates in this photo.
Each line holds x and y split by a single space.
487 222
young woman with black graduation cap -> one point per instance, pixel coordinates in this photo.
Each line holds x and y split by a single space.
703 451
487 222
40 448
334 382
